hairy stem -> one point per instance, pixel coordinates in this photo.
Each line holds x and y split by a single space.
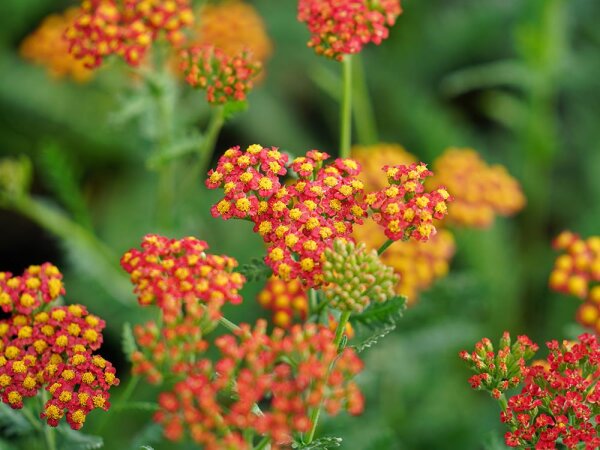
346 108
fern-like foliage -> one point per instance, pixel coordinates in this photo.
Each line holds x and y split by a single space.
76 440
379 320
255 270
324 443
13 423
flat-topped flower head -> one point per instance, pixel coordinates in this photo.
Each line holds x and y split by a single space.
126 28
480 191
355 277
296 372
287 300
47 47
170 272
578 267
224 77
51 349
404 208
340 27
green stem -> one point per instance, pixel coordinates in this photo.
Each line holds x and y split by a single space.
385 246
32 419
364 118
49 432
206 150
346 109
502 402
123 399
263 444
339 333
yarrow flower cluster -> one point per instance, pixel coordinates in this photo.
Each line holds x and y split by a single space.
341 27
498 372
297 221
480 191
51 349
354 277
294 371
224 77
47 47
232 26
559 400
286 299
404 209
126 28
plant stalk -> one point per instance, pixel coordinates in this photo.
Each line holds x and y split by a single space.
346 108
364 118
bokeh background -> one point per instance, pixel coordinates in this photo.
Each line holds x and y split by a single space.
518 81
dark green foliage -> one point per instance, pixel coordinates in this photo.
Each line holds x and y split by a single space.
324 443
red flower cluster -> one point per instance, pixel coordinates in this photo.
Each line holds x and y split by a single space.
295 372
51 349
341 27
404 209
286 299
225 78
578 266
560 400
497 372
176 272
298 221
126 28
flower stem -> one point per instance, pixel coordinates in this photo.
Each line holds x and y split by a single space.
263 444
206 150
228 324
123 399
385 246
339 331
32 419
364 118
49 432
346 109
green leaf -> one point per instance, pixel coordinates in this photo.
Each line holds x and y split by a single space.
13 423
255 270
60 175
76 440
147 447
181 147
323 443
374 338
381 314
128 341
150 434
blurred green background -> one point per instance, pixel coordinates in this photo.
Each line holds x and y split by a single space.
517 80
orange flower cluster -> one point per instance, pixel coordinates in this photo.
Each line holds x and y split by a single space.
295 371
225 78
232 26
190 287
577 272
47 47
286 299
51 348
480 191
341 27
126 28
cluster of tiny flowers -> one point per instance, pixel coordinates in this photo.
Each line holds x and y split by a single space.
418 264
232 26
297 221
224 77
294 371
578 266
126 28
339 27
404 209
51 349
47 47
373 157
497 372
560 400
355 276
480 191
286 299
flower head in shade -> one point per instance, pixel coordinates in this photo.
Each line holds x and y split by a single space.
287 300
404 208
173 273
578 266
126 28
51 348
47 47
297 221
340 27
294 371
232 26
480 191
225 78
355 277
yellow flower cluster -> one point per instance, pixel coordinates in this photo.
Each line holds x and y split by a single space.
47 47
480 191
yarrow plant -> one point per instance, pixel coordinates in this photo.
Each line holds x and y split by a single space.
50 349
288 300
558 402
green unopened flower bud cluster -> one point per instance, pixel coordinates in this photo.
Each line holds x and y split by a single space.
354 277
